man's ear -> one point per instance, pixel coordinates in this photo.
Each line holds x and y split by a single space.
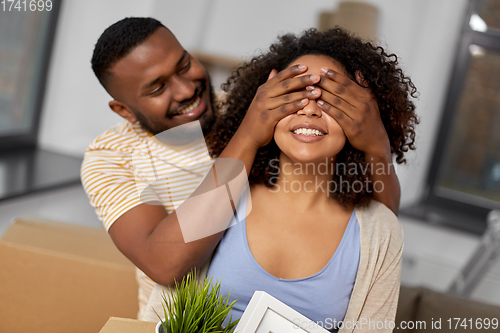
361 79
122 110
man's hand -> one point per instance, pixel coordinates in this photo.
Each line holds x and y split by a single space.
283 94
355 108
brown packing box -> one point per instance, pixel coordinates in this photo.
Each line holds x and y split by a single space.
124 325
57 277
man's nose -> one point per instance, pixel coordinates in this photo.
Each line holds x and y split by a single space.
182 88
311 109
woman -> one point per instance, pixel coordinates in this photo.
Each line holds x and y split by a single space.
315 238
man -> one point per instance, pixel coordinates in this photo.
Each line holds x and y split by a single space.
156 85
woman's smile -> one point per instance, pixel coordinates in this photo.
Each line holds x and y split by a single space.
308 132
305 135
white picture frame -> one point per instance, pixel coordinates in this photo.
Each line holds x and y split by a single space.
266 314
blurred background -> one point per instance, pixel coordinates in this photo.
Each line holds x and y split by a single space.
52 106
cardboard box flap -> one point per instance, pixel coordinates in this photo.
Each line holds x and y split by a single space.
123 325
59 278
73 240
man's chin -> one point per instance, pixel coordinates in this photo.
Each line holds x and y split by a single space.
207 119
151 128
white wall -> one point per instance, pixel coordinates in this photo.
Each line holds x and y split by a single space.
76 108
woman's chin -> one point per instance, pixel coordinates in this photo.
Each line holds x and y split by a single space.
313 159
310 153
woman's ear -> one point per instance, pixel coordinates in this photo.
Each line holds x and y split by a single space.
361 79
122 110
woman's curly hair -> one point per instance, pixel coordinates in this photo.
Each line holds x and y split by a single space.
385 79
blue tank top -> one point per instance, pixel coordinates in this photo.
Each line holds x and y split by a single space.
321 297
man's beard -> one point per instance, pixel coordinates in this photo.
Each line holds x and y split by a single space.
207 119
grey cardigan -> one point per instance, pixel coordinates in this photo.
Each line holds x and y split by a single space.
376 289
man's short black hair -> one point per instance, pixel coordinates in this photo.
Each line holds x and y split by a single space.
117 41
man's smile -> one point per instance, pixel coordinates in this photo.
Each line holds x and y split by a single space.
189 106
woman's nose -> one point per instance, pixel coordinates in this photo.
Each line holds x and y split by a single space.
311 109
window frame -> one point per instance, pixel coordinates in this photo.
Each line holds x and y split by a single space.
474 213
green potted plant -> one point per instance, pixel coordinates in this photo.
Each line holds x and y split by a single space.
196 308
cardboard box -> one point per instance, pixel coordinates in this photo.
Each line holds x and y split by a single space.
124 325
57 277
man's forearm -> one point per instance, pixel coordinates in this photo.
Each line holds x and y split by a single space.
172 257
385 181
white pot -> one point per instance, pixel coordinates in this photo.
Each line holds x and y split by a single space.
157 329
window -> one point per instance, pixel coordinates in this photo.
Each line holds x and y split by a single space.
464 179
25 42
26 33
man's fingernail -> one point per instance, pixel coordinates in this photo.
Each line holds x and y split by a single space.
302 67
309 88
320 102
314 77
324 70
303 102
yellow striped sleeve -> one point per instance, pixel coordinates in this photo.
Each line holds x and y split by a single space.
110 185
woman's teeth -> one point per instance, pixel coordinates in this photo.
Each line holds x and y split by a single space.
308 131
192 106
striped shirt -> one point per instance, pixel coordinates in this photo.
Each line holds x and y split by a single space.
127 166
